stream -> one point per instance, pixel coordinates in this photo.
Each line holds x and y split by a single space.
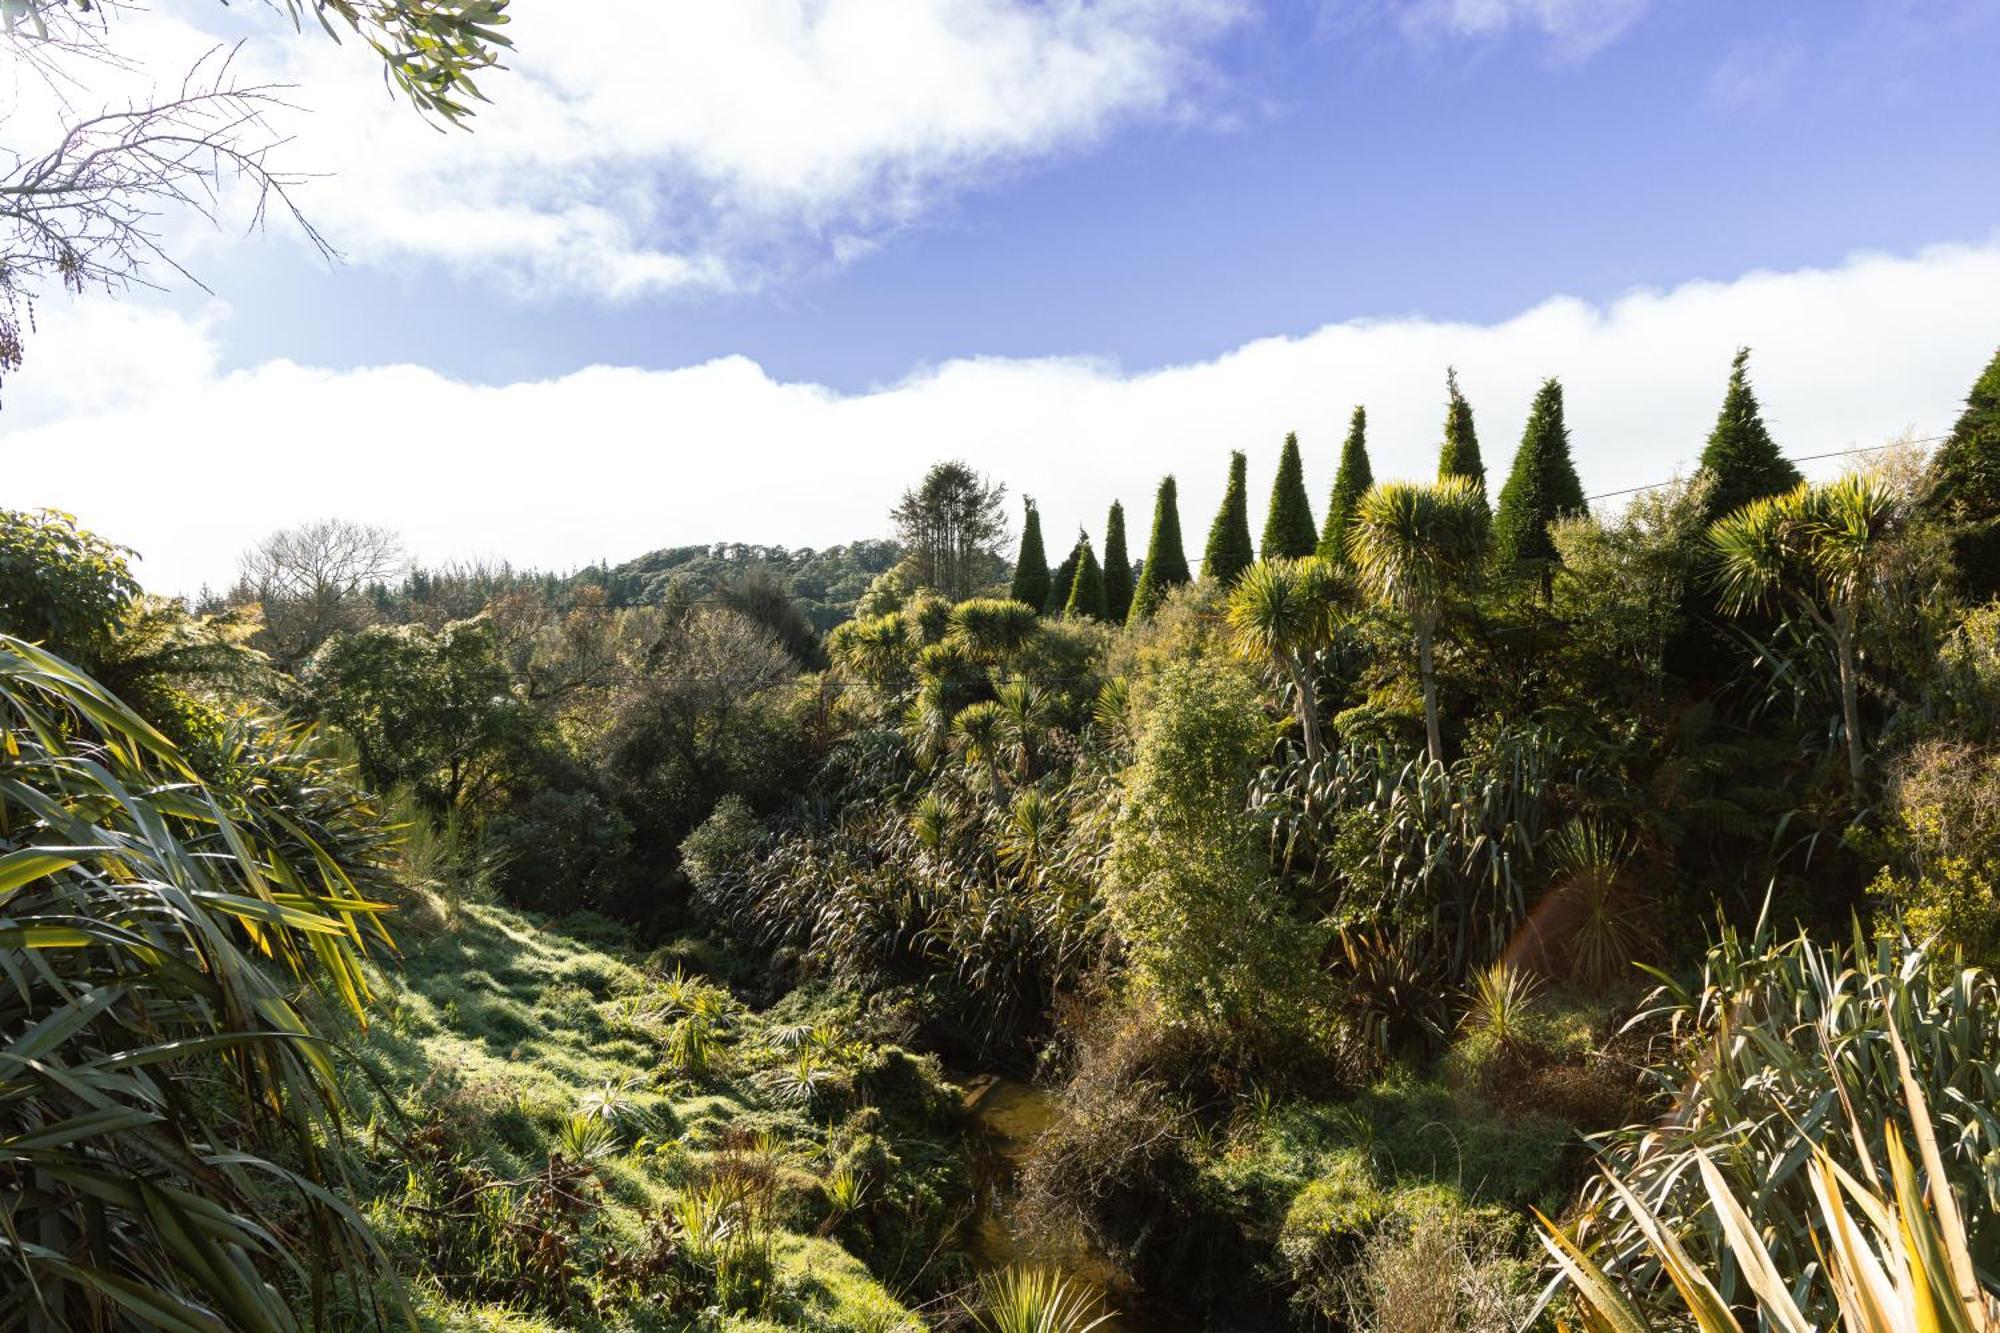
1010 1115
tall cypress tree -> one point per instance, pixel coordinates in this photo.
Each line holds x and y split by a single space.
1059 585
1459 457
1741 455
1031 570
1542 487
1117 567
1965 487
1229 551
1166 563
1086 589
1350 482
1288 527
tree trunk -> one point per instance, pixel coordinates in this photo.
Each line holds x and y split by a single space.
1850 705
1427 668
1306 701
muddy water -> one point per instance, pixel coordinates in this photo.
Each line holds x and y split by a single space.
1010 1116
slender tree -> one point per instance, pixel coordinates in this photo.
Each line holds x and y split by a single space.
1060 583
1086 589
1118 584
1414 549
1350 482
1280 613
1031 570
1741 455
1288 526
1541 488
951 526
1229 551
1166 563
1459 457
1822 551
1965 488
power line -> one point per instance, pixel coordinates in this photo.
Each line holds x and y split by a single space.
1809 458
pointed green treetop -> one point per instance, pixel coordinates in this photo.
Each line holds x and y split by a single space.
1460 455
1741 455
1031 570
1541 487
1350 482
1059 585
1086 589
1288 527
1965 487
1229 551
1117 567
1166 563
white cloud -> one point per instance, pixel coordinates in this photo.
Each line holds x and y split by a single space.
1577 27
634 146
194 465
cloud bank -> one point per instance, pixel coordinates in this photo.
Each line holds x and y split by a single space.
190 465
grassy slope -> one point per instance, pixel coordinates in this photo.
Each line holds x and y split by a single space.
496 1031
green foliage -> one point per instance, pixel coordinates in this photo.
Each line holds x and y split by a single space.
1945 800
1086 589
1779 1045
1964 490
1289 532
561 851
1229 552
1459 455
60 586
1035 1300
1351 481
1208 935
1166 564
1281 612
951 528
1031 568
1741 457
1541 487
1118 586
427 709
157 1057
991 630
1062 582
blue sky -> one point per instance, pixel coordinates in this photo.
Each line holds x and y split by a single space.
1332 166
752 265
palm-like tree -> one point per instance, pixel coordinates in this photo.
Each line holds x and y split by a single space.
1414 548
1281 612
1823 549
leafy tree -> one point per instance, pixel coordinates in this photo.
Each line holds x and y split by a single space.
1166 563
61 586
1229 551
1031 568
1414 549
1741 455
951 529
1541 488
1086 589
1280 613
1459 456
1289 532
1822 551
424 708
1965 487
1350 482
1118 586
1060 584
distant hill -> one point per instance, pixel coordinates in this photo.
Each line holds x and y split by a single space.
824 582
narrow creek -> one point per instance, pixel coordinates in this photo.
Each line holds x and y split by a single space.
1009 1115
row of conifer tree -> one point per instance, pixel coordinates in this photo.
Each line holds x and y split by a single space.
1541 486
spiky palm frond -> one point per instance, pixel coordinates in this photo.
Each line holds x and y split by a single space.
1414 546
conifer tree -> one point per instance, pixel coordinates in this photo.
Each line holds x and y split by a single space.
1086 589
1741 455
1117 567
1031 570
1166 563
1059 585
1965 487
1229 551
1289 532
1460 455
1350 482
1541 487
